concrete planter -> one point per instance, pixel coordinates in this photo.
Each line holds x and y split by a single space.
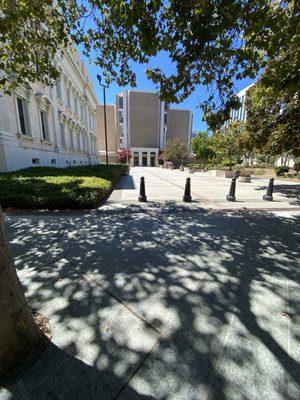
246 179
221 173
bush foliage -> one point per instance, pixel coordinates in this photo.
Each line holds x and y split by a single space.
281 170
58 188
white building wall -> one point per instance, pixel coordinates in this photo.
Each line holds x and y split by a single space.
240 114
18 150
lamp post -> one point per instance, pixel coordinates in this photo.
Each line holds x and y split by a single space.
105 124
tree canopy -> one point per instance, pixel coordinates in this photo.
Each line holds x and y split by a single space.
32 34
229 142
273 119
210 43
175 150
201 146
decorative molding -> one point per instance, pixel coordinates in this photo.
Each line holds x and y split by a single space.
43 101
62 117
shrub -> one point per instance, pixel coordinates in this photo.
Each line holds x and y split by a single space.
58 188
246 172
259 171
281 170
199 166
297 166
228 163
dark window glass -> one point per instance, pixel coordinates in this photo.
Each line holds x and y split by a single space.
22 116
120 102
44 129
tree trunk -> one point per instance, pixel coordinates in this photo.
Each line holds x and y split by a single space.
19 334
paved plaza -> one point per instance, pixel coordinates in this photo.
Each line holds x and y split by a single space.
207 191
161 301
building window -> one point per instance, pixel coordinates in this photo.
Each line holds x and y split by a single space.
62 134
76 104
72 138
165 118
74 162
85 143
44 125
58 88
53 161
68 97
121 117
35 161
22 113
121 102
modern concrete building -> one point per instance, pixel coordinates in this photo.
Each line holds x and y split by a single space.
180 124
50 126
143 124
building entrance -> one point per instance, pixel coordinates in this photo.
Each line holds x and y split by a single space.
152 159
144 159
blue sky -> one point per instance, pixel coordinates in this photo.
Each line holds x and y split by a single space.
143 83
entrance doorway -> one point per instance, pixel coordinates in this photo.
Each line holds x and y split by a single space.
136 159
152 159
144 159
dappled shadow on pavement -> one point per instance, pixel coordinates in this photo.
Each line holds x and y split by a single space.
288 190
163 303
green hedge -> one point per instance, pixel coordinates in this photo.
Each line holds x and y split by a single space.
58 188
200 166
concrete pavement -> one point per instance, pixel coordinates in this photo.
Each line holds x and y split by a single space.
163 185
161 302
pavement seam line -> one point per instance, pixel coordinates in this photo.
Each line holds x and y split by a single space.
116 298
139 366
216 361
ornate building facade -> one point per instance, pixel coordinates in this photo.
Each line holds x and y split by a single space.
50 126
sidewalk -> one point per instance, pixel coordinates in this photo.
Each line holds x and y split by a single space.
163 302
163 185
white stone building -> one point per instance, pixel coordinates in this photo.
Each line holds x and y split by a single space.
241 113
50 126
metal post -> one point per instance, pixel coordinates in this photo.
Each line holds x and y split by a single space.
105 123
231 194
142 196
269 193
105 126
187 191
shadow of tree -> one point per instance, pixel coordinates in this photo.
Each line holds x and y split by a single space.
287 190
162 303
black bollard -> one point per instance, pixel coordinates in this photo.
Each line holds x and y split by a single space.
187 191
269 193
142 196
231 194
